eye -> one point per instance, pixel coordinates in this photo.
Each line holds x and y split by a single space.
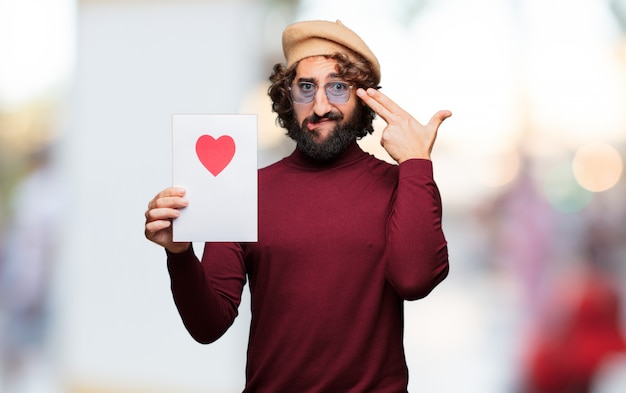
337 87
306 87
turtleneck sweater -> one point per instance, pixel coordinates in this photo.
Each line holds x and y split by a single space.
341 246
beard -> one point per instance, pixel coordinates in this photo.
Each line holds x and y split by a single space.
337 140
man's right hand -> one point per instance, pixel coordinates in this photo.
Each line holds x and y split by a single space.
162 210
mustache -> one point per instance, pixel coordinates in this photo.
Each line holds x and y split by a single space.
314 118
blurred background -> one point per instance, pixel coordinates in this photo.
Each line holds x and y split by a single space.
530 168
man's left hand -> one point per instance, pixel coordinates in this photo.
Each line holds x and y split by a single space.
404 137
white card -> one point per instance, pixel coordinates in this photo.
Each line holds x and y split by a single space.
215 160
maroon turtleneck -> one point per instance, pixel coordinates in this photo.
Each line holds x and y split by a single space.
341 246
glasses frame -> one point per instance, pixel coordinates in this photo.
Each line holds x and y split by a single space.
330 98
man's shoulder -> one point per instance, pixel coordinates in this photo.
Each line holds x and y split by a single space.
274 167
379 165
273 171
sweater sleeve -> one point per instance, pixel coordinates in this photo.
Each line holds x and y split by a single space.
416 250
207 294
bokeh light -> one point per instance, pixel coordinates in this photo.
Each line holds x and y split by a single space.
562 190
597 166
498 167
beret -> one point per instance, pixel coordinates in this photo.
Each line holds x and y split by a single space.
319 37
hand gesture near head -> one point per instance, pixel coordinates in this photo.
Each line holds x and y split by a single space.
162 209
404 137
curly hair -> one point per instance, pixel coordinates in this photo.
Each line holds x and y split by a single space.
357 72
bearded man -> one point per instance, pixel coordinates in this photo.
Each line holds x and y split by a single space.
344 238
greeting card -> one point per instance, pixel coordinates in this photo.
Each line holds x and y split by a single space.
215 160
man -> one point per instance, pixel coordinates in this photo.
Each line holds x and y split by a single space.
344 238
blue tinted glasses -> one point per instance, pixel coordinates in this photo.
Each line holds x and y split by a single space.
336 92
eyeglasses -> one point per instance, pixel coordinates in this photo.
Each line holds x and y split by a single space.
336 92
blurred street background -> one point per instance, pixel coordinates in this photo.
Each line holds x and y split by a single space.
530 168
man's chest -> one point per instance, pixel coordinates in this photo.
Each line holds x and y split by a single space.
340 213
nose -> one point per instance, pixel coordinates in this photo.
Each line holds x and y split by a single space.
321 105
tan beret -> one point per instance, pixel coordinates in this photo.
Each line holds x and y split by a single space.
319 37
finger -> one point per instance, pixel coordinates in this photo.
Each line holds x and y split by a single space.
161 214
170 197
156 226
172 192
379 103
168 202
387 102
169 192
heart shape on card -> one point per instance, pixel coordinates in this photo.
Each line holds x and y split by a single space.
215 154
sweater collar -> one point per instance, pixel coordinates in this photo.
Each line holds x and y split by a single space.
351 155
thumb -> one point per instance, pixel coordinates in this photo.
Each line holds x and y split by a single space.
438 118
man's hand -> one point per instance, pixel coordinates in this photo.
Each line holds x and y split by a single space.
404 137
162 209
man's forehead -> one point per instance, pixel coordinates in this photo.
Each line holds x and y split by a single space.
304 78
317 67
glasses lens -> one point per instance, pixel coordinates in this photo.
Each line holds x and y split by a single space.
303 92
338 92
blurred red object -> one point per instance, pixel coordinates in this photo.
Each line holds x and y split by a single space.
581 332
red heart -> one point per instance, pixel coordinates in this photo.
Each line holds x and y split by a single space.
215 154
